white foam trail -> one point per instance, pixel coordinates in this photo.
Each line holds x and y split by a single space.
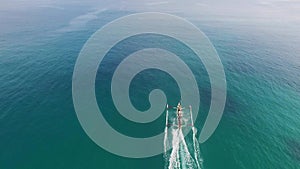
174 161
187 160
185 153
196 143
166 146
196 149
166 132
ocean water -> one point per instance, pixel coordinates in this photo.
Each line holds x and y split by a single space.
260 127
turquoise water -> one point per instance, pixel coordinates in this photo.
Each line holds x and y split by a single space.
260 127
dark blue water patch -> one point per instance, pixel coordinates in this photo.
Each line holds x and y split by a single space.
146 81
133 44
293 147
232 105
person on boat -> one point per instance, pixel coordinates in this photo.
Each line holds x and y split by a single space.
179 108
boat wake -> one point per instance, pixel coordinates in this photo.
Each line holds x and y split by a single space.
181 152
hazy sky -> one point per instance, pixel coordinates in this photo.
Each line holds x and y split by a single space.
270 10
277 8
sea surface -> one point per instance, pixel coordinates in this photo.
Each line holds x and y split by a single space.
260 128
